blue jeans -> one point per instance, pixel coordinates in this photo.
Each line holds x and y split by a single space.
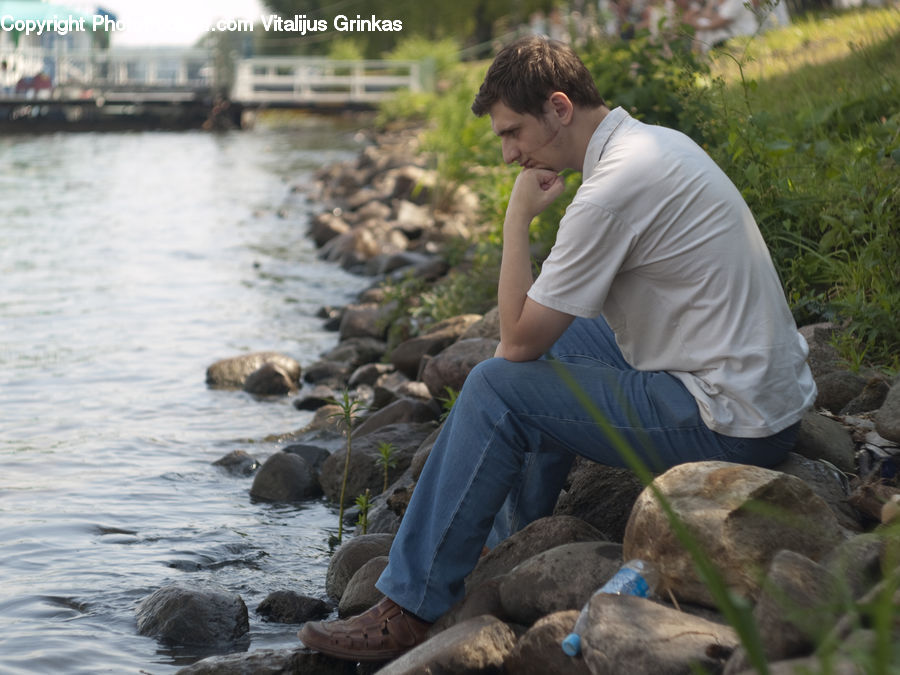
507 446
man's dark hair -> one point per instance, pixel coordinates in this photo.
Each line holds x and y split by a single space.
527 71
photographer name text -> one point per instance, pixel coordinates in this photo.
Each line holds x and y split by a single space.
302 25
299 24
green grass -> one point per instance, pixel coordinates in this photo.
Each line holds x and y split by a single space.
806 121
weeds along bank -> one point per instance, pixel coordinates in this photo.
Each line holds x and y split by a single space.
806 122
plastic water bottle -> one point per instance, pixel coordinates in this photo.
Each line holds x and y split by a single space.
636 577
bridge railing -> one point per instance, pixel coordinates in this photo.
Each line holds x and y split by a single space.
174 68
312 80
272 81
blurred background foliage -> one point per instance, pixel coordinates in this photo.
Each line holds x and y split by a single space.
805 119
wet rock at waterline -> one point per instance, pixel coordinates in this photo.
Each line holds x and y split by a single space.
192 615
361 593
238 463
271 662
365 471
314 455
232 373
270 379
285 477
292 607
350 557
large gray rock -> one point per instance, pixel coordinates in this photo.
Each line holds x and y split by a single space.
484 599
558 579
364 321
291 607
871 398
451 367
538 652
365 472
627 634
600 495
857 564
352 555
407 356
794 609
285 477
823 357
887 420
488 327
369 374
231 373
317 397
271 662
351 249
314 455
356 352
271 379
401 411
836 389
739 515
198 615
840 665
479 645
827 482
326 226
361 593
823 438
327 374
541 535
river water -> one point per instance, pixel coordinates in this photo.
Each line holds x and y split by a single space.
128 264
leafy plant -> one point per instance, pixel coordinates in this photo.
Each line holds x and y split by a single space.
448 402
363 503
387 459
349 411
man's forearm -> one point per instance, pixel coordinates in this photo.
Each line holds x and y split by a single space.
515 276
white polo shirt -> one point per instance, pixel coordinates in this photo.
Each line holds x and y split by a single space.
660 242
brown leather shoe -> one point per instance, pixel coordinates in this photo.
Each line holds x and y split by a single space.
381 633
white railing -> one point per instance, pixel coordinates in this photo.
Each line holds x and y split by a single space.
274 81
121 68
304 80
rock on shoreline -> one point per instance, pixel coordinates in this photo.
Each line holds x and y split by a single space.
521 598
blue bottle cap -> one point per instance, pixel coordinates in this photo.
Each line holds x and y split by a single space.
571 645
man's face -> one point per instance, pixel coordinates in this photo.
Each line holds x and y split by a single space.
529 141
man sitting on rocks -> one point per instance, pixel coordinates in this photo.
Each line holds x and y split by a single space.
660 300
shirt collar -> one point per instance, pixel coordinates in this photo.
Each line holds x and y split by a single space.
600 137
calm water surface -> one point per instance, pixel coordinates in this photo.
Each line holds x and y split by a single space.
128 264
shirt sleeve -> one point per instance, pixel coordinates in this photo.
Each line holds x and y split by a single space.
591 247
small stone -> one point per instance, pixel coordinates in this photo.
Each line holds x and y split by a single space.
238 463
292 607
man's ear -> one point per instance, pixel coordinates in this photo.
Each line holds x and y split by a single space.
561 106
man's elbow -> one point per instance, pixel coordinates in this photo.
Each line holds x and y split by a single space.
517 352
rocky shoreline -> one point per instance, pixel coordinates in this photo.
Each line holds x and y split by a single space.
838 489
